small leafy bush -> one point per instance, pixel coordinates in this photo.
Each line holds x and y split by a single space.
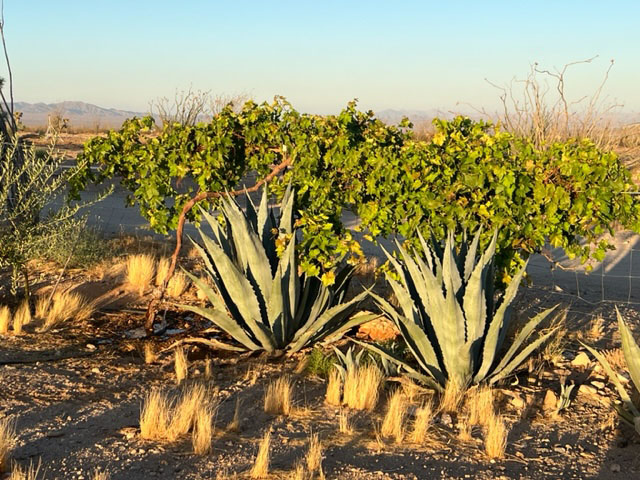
629 411
449 316
263 300
29 182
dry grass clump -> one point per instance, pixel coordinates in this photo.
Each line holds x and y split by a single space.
21 317
616 359
140 271
260 467
155 416
100 475
451 397
180 365
334 387
277 397
464 429
393 423
162 270
314 456
344 424
8 440
422 423
5 319
495 442
149 353
202 430
596 329
362 387
185 411
31 473
479 403
164 419
64 306
177 285
234 424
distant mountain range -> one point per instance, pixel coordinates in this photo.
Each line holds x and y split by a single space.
80 114
87 115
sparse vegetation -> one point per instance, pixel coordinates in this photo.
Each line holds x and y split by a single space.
260 467
140 271
7 441
277 397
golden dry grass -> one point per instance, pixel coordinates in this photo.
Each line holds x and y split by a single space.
596 329
334 386
234 424
277 397
42 306
100 475
362 387
344 423
140 271
207 368
615 357
7 441
393 422
422 423
5 319
313 458
21 317
66 305
185 411
202 430
464 429
495 442
479 403
149 353
451 397
260 467
155 416
30 473
162 269
180 364
177 285
298 473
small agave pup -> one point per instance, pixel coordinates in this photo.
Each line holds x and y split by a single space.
262 300
450 319
629 412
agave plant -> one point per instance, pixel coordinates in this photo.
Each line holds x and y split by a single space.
453 324
262 301
629 412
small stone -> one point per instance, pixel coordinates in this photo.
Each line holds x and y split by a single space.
518 402
598 385
550 401
588 390
581 360
615 468
95 370
91 347
446 420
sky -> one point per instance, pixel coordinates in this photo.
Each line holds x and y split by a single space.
409 55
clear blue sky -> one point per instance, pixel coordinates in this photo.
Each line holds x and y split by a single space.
319 54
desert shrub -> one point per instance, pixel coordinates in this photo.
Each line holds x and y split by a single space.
468 175
84 248
263 300
449 316
29 183
471 175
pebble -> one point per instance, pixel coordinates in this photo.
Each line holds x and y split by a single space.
581 360
588 390
599 385
91 347
550 401
615 467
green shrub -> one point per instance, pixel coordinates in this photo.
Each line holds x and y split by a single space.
468 175
29 182
263 301
472 176
450 319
